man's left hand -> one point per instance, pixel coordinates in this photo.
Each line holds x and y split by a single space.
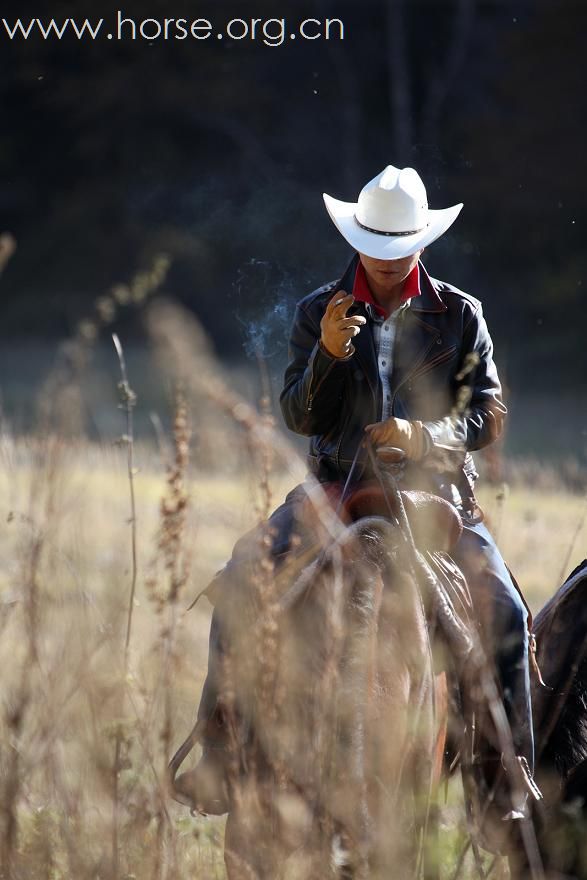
401 433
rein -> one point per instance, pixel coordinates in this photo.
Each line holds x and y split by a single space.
349 478
388 483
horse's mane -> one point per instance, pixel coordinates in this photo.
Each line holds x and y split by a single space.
561 631
567 746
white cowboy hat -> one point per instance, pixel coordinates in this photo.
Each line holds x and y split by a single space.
391 219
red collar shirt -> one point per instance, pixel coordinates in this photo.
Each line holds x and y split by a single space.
385 327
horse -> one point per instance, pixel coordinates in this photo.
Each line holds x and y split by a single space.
319 775
560 722
335 733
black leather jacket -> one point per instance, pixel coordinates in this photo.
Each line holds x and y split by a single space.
443 374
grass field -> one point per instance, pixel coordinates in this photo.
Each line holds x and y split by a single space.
92 709
65 575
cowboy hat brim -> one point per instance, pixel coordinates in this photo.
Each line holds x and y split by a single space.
387 247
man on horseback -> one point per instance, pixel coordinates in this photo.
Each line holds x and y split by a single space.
388 353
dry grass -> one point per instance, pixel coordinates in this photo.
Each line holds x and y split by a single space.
66 740
542 533
69 700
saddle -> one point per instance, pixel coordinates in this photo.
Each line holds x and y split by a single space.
436 527
434 522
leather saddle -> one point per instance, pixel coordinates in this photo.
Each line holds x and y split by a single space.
434 522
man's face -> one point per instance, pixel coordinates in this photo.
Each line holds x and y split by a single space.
389 273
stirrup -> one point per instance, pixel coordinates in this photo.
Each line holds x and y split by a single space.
528 779
521 811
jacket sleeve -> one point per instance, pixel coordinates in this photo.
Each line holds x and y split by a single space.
478 413
314 381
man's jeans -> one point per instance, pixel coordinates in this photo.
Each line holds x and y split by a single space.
496 601
504 623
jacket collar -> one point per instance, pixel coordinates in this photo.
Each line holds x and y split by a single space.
347 282
428 301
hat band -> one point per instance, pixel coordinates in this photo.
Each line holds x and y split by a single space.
380 232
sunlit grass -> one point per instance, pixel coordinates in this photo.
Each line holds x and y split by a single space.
83 587
537 530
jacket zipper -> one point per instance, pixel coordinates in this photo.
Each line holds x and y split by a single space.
310 396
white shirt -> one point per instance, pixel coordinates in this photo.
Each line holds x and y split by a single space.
385 334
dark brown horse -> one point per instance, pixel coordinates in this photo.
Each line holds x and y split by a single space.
340 738
337 733
560 721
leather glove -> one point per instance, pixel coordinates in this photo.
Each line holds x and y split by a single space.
406 435
337 329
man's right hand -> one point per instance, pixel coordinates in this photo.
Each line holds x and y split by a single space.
336 328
